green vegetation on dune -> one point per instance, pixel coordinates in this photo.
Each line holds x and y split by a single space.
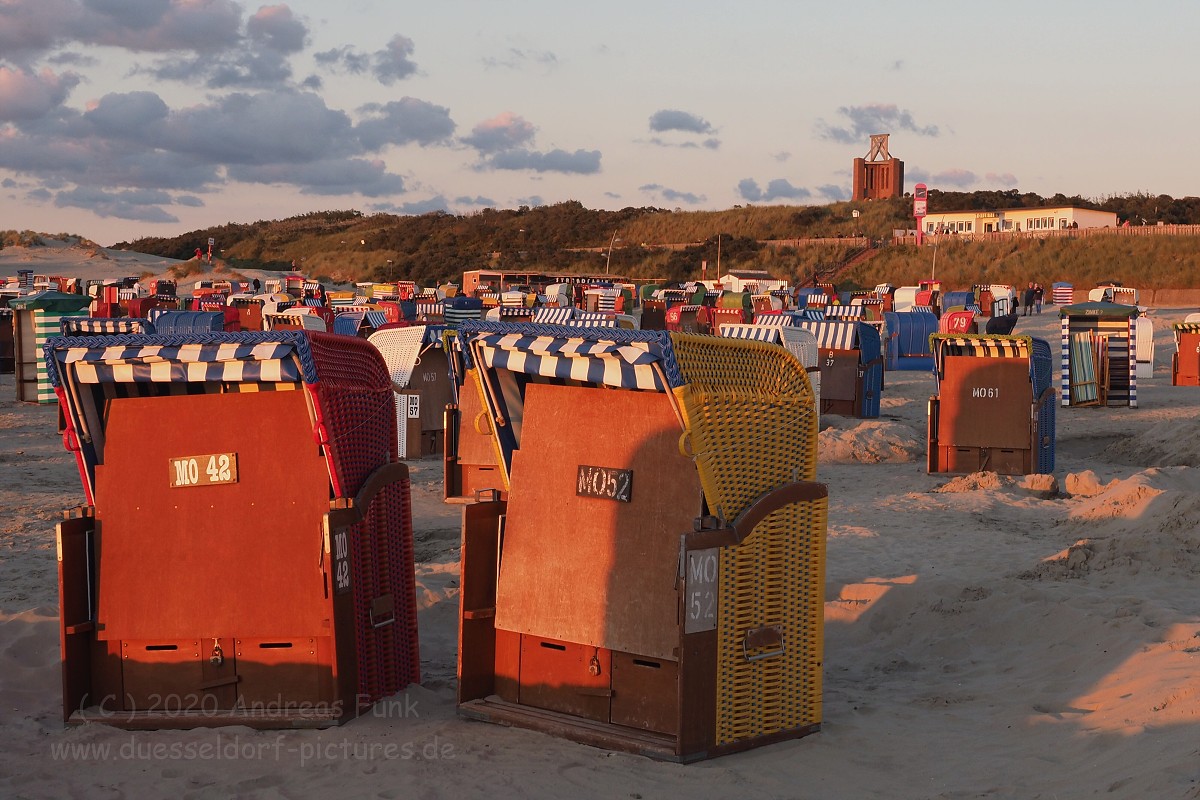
657 243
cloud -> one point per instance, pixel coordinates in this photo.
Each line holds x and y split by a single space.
708 144
414 208
777 189
505 131
672 120
581 162
478 200
369 178
871 119
1006 179
672 194
393 63
834 191
25 96
138 205
264 128
129 115
781 156
954 178
404 121
277 29
516 59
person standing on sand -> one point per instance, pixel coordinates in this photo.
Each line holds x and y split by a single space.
1028 299
1038 295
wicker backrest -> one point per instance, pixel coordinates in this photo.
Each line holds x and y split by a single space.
750 418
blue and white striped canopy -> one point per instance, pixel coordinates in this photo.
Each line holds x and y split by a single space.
593 319
758 333
774 320
844 312
553 315
155 363
832 334
629 365
76 326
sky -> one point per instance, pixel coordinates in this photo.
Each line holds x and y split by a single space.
122 119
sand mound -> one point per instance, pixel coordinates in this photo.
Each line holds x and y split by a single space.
1084 484
1171 443
1043 486
1147 522
868 442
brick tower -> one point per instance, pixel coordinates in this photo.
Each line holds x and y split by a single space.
878 176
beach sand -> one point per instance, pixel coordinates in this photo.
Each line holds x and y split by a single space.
985 636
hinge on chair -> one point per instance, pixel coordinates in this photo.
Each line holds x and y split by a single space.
708 522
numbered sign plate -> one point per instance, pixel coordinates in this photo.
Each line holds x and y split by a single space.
702 572
611 484
206 470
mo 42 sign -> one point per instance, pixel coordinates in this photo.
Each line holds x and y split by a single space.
205 470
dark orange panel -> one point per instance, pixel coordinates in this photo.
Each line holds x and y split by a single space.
589 569
198 560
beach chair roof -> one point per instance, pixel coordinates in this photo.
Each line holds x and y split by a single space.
1097 308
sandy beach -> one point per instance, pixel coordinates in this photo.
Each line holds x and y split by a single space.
986 636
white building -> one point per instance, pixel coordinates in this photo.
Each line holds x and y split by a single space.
1018 220
756 281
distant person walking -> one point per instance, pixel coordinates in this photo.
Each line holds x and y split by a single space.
1030 294
1039 294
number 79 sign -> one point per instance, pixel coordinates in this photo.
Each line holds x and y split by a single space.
205 470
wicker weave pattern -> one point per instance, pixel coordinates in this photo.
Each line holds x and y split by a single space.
775 577
357 406
750 415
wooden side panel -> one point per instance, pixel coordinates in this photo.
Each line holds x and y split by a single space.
985 402
593 570
240 558
477 600
76 631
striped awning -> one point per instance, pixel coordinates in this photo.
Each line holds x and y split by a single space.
832 334
844 312
629 365
228 361
553 315
758 333
593 318
98 326
979 346
774 320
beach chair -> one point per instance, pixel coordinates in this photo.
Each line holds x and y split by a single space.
37 318
957 321
1185 361
994 407
803 345
251 576
1103 365
8 362
401 350
908 335
851 366
1144 329
687 318
683 617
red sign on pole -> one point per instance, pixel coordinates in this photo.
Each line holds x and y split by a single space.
920 206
